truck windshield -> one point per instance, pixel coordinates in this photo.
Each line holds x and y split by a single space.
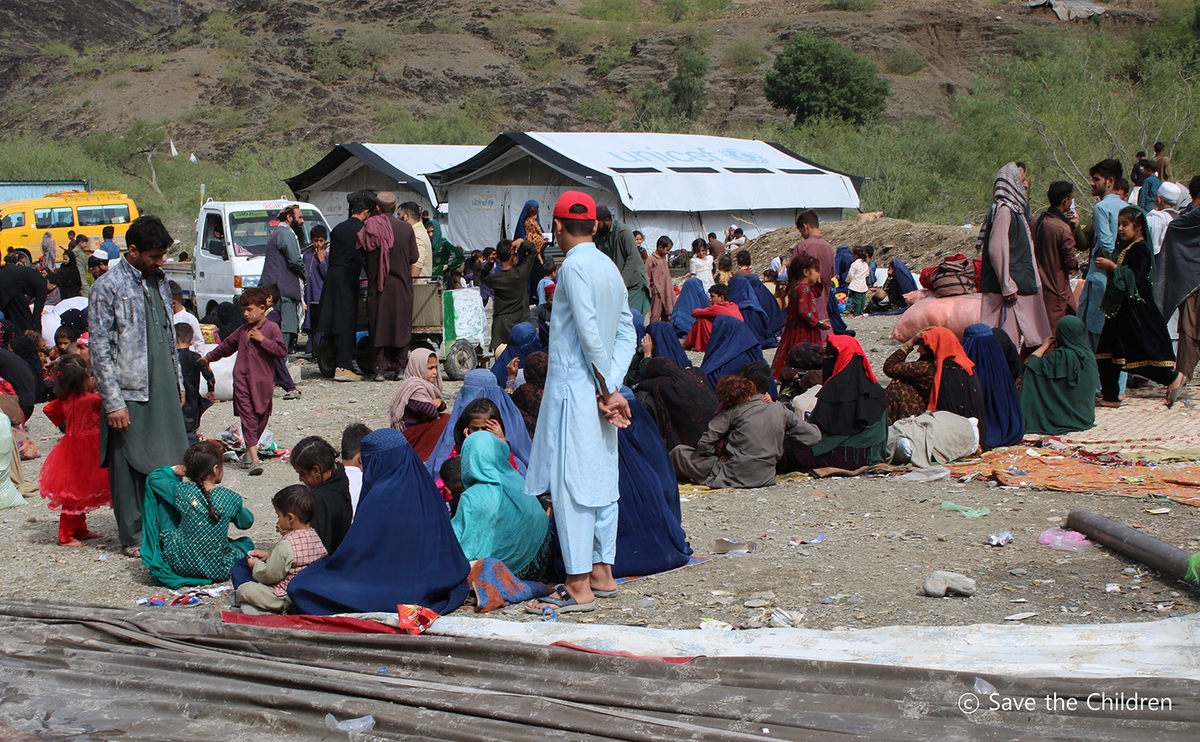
250 230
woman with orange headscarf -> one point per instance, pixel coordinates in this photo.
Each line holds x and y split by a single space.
942 378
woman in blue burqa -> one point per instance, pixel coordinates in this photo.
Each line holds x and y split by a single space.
400 549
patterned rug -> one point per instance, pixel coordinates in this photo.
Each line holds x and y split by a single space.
1081 472
1142 423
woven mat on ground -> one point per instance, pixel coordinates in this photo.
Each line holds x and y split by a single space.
1063 473
1142 422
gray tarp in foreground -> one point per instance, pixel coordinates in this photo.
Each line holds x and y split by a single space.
88 672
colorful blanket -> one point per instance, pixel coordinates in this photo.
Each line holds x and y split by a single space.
494 586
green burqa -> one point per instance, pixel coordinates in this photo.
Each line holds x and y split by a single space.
156 435
446 257
495 518
1058 391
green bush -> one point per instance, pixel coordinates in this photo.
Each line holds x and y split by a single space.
542 62
674 10
743 54
229 121
470 123
599 107
362 48
850 5
222 28
687 89
820 78
624 11
285 118
907 60
57 49
610 58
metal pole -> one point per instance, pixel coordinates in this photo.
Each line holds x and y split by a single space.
1131 542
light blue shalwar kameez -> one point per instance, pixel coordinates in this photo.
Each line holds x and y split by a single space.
1104 226
574 455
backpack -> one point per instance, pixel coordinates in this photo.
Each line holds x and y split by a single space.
953 278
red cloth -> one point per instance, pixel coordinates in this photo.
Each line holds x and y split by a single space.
377 236
944 346
423 437
801 323
847 348
330 624
253 375
71 527
72 479
697 339
926 277
818 247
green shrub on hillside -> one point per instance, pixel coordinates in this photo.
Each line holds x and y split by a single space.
599 108
743 54
687 89
624 11
222 28
821 78
850 5
907 60
57 49
542 62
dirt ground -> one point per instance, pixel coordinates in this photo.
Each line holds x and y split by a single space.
882 538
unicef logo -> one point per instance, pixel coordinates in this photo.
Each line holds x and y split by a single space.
744 156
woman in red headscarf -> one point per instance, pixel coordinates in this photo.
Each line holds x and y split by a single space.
942 378
851 413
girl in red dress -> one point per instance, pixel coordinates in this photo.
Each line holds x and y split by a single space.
802 324
72 478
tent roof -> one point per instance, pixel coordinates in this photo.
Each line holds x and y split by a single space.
1069 10
671 172
404 163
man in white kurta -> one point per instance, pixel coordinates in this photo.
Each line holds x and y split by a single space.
574 455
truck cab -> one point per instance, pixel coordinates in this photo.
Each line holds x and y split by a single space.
231 244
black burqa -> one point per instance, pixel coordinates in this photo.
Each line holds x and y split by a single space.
338 318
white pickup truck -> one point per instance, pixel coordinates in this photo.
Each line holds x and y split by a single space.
231 242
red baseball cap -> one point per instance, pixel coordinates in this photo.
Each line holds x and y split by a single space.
562 208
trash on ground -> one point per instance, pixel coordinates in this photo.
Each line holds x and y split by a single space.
1057 538
968 512
1020 616
1112 587
983 687
1157 511
929 474
732 546
1000 539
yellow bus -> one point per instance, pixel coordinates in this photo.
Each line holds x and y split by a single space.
22 223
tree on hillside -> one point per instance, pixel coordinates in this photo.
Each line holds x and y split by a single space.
820 78
686 89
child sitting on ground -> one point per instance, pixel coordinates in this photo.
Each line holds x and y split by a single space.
480 414
191 369
352 459
72 479
258 343
283 377
299 547
316 464
450 476
753 431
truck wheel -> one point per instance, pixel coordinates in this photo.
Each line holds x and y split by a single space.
460 359
326 359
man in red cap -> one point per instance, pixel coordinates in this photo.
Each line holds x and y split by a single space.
574 455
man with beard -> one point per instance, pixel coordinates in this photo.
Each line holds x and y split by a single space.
391 257
1054 246
410 213
338 321
283 266
616 240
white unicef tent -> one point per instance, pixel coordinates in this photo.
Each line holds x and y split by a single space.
680 185
379 167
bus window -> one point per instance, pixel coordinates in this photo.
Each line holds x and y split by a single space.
15 219
90 216
51 218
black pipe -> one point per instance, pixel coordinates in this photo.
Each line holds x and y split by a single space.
1131 542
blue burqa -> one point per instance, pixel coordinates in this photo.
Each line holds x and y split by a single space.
903 276
730 347
523 341
841 263
639 328
400 549
691 296
1001 403
650 537
742 294
667 345
482 383
766 300
519 232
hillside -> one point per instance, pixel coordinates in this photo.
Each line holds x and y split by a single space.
268 85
